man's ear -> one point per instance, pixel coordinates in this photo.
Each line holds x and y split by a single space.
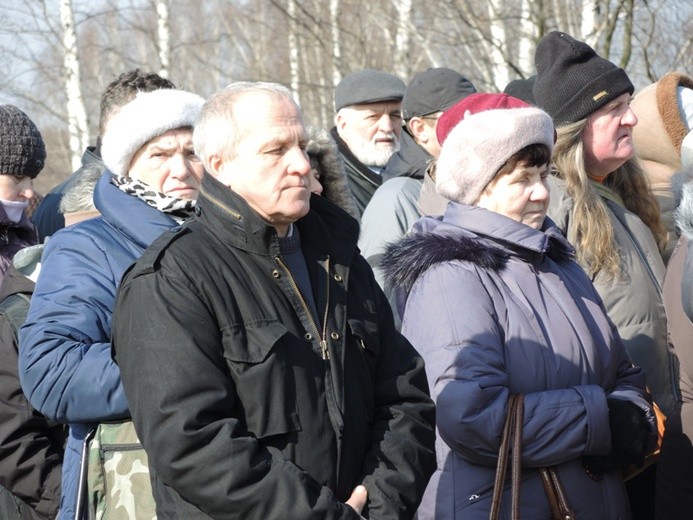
216 166
340 121
418 129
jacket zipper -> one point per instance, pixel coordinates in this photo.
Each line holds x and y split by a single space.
323 341
219 203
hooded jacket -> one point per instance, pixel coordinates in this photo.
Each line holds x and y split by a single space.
633 300
657 138
65 364
47 218
498 308
323 150
31 447
675 464
266 413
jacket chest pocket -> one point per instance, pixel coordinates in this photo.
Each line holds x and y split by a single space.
257 357
361 359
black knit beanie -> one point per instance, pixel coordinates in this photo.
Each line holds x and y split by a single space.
22 152
572 80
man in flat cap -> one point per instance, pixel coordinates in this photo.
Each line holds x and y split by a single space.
396 205
367 128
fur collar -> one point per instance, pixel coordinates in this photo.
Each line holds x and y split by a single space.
434 241
404 261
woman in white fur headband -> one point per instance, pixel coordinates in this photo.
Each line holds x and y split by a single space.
65 363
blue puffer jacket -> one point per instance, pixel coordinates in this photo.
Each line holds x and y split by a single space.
65 361
497 308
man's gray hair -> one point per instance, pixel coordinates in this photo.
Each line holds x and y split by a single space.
217 131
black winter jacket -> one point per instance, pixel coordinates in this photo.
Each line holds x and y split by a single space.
247 407
31 447
362 180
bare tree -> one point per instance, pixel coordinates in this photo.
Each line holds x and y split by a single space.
76 113
163 34
403 37
293 49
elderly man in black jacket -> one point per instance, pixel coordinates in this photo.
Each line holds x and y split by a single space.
258 355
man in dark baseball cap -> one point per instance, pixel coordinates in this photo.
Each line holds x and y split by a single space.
367 128
395 205
428 94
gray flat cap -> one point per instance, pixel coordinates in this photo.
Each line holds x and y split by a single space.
368 86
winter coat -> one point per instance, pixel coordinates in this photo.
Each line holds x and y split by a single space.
675 464
274 416
31 447
65 361
633 301
362 180
430 201
411 160
47 218
657 138
13 237
497 308
388 216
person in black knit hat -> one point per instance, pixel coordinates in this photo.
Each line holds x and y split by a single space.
601 199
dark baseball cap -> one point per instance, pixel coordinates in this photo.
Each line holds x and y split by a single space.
434 90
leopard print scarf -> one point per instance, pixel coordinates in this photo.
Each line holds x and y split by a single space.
178 209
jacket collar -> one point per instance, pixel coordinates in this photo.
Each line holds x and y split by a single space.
134 218
473 234
326 227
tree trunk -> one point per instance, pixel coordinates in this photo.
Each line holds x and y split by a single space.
163 36
293 50
402 38
336 44
76 113
498 63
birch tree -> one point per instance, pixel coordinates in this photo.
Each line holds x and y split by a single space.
293 50
76 113
402 38
163 36
336 46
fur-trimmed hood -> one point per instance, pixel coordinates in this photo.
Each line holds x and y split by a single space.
469 234
323 150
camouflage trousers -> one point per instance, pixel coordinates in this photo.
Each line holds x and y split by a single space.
118 483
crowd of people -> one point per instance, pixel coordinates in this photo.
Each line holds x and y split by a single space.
227 313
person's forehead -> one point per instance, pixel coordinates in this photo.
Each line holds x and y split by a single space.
274 122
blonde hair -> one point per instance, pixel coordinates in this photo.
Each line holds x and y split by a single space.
590 229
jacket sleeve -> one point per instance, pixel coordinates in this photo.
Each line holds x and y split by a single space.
30 449
182 400
402 456
451 319
65 361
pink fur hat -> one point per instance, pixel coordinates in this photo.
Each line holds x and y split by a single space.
492 128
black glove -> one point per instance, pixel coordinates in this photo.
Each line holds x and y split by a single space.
596 465
630 433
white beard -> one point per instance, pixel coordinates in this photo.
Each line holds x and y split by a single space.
371 153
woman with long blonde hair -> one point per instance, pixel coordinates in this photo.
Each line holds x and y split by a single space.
602 202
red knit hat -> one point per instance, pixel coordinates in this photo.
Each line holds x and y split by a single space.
474 104
480 134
